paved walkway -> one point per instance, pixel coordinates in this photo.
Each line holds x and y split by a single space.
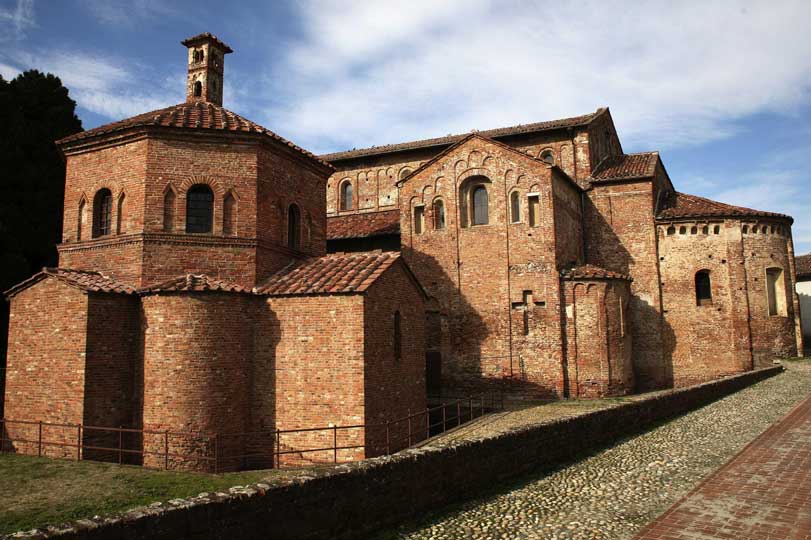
614 493
764 493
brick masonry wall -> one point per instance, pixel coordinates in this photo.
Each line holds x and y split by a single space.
45 377
394 383
380 492
198 352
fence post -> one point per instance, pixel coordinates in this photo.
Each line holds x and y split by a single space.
388 439
427 423
458 413
278 449
409 427
444 415
79 442
216 454
39 440
166 450
335 443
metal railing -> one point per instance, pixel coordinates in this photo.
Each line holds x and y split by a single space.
216 452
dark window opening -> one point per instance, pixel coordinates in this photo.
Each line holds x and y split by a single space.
199 209
346 196
198 89
120 223
439 215
419 219
515 207
548 156
102 207
703 288
534 210
480 210
293 227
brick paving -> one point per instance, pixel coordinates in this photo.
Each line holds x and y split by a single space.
764 493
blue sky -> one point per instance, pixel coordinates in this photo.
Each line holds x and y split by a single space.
721 89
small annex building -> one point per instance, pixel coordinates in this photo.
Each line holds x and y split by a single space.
217 278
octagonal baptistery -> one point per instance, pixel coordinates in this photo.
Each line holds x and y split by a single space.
191 188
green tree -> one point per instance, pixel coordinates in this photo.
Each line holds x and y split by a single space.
35 111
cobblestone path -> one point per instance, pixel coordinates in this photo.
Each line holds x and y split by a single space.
764 492
613 493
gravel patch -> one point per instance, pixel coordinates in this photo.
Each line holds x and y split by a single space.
613 493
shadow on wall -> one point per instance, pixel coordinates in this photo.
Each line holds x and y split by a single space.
467 369
653 337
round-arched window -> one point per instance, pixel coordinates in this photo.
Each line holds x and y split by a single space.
199 209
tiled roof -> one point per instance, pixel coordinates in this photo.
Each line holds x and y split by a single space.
626 166
81 279
803 266
194 283
590 271
190 115
331 274
450 139
204 36
682 205
363 225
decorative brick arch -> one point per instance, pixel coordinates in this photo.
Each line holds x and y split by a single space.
218 189
219 196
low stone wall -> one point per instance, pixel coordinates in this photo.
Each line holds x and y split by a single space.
352 500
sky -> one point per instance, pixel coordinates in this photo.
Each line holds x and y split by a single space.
722 89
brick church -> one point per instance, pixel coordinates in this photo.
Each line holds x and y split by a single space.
216 277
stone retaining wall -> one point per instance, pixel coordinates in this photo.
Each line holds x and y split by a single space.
349 501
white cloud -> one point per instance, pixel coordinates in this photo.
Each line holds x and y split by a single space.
128 12
8 72
14 22
673 73
102 84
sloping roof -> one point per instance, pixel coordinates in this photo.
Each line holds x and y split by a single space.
194 283
520 129
81 279
363 225
203 37
196 115
681 205
590 271
331 274
626 166
803 266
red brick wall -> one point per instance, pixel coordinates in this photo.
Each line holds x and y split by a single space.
394 387
197 362
620 235
308 371
45 377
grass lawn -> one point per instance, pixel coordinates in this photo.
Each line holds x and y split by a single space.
40 491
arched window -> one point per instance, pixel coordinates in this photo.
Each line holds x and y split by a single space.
293 227
775 291
439 214
80 219
479 204
405 172
515 207
229 215
169 211
548 156
198 89
199 209
398 336
419 219
102 207
534 204
119 220
703 288
346 196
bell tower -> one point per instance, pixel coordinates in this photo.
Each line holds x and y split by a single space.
206 65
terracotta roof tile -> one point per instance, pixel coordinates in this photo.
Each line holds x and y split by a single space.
803 266
590 271
194 283
363 225
81 279
626 166
331 274
682 205
450 139
189 115
204 36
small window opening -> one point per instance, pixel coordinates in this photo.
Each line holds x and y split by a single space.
102 208
198 89
745 229
346 196
682 230
293 227
199 209
705 229
515 207
671 230
398 337
480 202
419 219
229 215
775 291
703 288
80 219
439 215
693 230
119 220
548 156
534 204
716 229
